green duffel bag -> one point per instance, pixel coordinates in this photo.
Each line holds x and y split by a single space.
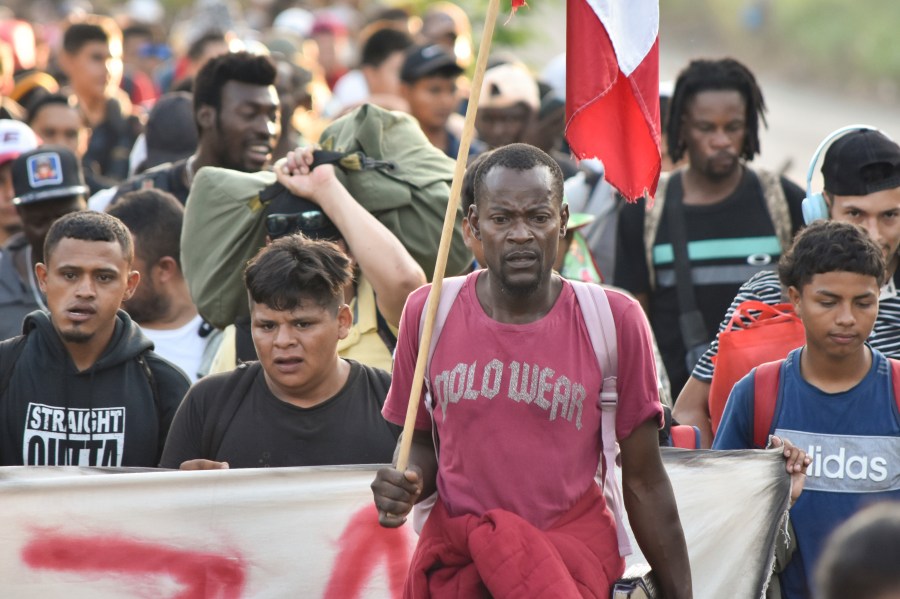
224 226
224 220
409 199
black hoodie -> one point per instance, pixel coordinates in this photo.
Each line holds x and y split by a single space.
105 415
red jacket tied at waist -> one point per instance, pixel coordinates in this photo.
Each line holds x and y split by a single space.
501 555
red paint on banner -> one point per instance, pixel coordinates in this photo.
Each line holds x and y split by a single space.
201 574
363 544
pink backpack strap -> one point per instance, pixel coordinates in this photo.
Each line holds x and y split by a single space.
601 327
765 398
450 288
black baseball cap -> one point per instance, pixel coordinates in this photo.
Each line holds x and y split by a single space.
425 61
48 173
861 162
287 214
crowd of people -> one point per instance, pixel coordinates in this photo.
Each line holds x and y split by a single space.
307 154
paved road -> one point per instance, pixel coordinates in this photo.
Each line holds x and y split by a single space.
800 115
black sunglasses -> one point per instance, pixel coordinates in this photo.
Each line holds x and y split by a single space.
279 225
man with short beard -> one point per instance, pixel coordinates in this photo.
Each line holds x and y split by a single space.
737 220
238 118
82 386
504 454
162 304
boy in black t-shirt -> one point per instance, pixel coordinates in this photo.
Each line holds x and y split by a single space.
301 404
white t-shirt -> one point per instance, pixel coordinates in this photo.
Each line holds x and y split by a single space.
100 200
183 347
351 89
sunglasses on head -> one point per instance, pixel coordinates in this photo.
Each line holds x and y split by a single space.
279 225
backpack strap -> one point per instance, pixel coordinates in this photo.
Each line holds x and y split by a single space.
765 399
601 327
385 333
154 388
221 412
777 206
10 350
690 318
159 177
244 350
652 218
450 288
773 194
367 311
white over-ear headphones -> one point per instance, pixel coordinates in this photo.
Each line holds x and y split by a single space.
814 206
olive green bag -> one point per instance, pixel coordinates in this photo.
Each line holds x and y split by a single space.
409 199
224 226
224 220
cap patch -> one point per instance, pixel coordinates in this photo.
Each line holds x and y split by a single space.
44 169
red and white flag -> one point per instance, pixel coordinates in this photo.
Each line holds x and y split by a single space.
612 89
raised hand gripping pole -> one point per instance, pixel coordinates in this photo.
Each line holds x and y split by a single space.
440 264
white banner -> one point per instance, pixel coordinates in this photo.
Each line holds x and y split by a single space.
291 532
310 532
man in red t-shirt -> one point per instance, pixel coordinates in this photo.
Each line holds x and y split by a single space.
515 386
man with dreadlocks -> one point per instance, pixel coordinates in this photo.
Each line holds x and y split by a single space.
714 222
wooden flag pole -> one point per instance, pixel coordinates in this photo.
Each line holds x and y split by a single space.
440 265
